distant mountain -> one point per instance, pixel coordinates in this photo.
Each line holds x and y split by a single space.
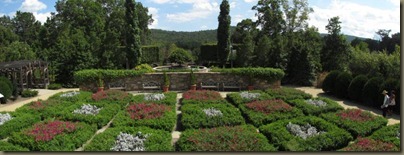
349 38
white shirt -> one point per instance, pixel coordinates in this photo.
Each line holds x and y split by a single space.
386 101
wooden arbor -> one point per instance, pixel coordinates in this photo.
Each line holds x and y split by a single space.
26 73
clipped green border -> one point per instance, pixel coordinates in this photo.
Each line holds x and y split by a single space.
388 134
309 109
6 146
170 99
16 124
236 99
286 93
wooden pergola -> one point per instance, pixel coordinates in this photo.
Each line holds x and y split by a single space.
26 73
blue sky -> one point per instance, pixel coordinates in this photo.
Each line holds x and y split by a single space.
359 17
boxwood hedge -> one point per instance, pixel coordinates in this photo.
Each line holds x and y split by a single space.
67 141
92 75
237 138
202 97
113 96
17 123
44 109
367 144
158 140
286 93
357 122
194 117
170 99
333 138
6 146
81 96
390 133
269 74
310 109
236 99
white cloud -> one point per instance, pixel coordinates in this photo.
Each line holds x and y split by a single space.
394 2
42 17
160 1
204 27
200 9
236 19
155 16
32 6
233 5
358 20
249 1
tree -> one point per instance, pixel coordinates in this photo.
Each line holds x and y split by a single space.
180 56
244 28
19 51
335 53
245 54
296 15
133 46
270 16
223 33
26 27
261 52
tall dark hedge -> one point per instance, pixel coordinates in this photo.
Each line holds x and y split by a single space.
5 90
328 83
208 53
371 93
356 86
150 54
342 83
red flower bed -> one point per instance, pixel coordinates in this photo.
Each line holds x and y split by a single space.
146 110
45 131
269 106
366 144
114 95
38 105
202 95
355 115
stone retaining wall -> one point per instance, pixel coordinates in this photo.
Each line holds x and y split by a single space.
180 81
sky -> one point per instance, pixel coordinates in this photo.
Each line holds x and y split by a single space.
360 18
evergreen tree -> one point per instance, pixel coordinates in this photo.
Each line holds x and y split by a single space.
223 33
133 45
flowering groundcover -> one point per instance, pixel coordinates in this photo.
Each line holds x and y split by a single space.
236 98
157 116
237 138
169 99
44 109
333 137
194 116
390 133
6 146
113 96
53 135
267 111
356 121
369 144
311 109
17 123
202 97
158 140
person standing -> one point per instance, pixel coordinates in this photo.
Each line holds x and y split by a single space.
385 102
392 103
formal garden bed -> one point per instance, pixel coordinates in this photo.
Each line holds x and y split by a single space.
316 106
247 96
202 97
10 122
6 146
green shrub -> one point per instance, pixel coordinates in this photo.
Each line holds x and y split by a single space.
113 96
17 123
333 138
342 83
269 74
44 109
8 82
68 140
150 54
91 75
202 97
238 138
29 93
390 133
144 67
170 99
329 82
286 93
310 109
194 117
268 111
54 86
5 146
153 115
237 100
368 144
180 56
371 93
356 87
355 121
72 96
158 140
5 90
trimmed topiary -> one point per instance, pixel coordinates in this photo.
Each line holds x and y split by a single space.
390 133
15 122
371 93
237 138
6 146
357 122
342 83
245 97
157 140
53 135
202 97
329 82
210 115
356 87
29 93
170 98
316 106
321 135
285 93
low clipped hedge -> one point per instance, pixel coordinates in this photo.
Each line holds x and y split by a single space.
54 86
269 74
165 122
333 138
113 96
357 122
371 93
286 93
91 75
258 118
237 100
202 97
367 144
17 123
66 141
29 93
6 146
170 99
329 81
342 83
356 87
193 116
309 109
101 119
44 109
83 96
238 138
390 133
158 140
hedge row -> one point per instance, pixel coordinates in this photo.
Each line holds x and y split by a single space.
202 97
6 146
310 109
286 93
91 75
237 100
269 74
43 109
170 99
390 133
333 138
17 123
158 140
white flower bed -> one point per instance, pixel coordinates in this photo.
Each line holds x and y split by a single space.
318 103
249 96
212 112
70 94
88 109
304 132
4 118
127 142
154 97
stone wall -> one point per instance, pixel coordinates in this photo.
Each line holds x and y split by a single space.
180 81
